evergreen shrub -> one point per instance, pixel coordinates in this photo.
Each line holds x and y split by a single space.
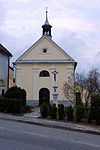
79 113
94 112
91 114
44 110
69 112
49 109
61 112
95 100
98 116
53 111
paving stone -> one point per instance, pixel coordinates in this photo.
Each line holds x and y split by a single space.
34 114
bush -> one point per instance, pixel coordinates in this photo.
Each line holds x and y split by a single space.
79 112
61 112
2 104
17 93
69 112
95 101
11 105
49 109
18 106
86 110
44 110
53 111
98 116
91 114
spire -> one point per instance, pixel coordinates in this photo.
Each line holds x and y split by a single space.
46 21
47 27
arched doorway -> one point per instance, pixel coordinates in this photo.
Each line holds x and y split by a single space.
44 96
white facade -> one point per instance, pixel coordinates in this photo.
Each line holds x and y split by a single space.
4 68
34 68
34 61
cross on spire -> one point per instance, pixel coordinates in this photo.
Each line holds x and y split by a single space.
46 8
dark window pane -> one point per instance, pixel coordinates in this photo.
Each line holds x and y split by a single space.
44 73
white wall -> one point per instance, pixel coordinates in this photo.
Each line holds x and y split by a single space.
4 69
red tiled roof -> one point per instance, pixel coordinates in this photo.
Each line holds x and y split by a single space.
4 50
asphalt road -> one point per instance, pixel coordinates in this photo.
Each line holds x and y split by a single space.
21 136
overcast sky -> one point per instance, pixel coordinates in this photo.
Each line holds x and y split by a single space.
75 27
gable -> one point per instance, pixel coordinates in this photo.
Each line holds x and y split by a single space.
5 51
45 49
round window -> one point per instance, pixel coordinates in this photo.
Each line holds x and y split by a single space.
44 50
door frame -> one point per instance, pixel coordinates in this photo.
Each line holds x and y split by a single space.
46 93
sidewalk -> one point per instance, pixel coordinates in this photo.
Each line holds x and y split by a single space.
52 124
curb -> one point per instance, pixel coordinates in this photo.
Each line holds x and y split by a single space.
52 125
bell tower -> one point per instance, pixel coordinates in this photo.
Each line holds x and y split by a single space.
47 27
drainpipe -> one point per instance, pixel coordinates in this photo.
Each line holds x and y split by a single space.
8 71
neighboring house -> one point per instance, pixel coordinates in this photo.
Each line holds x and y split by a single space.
34 69
5 56
11 77
82 93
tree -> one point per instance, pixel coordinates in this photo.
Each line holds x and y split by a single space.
80 87
91 82
86 85
73 93
69 91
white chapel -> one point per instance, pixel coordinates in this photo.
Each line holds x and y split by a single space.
34 69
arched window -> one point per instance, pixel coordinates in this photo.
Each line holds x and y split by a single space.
44 73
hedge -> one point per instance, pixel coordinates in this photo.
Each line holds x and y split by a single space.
94 112
11 105
2 104
16 93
